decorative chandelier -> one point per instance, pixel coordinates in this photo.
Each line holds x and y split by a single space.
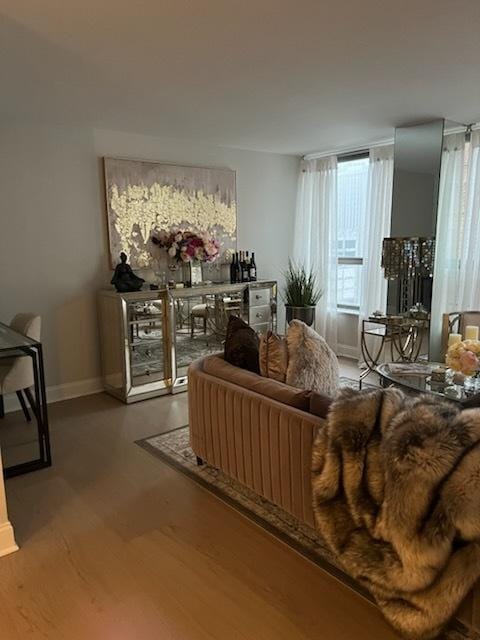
406 258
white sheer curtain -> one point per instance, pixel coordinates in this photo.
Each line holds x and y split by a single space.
373 296
445 294
469 277
315 238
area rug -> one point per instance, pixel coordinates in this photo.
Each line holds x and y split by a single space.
173 447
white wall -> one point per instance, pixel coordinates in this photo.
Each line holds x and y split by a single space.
53 244
347 327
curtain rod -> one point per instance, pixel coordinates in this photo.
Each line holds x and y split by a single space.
379 143
346 150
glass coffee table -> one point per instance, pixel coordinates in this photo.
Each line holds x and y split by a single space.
416 377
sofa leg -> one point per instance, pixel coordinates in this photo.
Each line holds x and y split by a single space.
2 407
199 462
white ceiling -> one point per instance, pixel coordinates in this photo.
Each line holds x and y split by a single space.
288 77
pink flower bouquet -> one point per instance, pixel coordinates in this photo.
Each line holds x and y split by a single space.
186 246
464 357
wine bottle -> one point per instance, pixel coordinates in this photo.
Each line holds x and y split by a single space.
238 275
232 269
244 266
252 269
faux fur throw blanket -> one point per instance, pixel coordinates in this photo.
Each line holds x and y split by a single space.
396 492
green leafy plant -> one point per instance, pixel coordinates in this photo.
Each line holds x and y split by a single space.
301 289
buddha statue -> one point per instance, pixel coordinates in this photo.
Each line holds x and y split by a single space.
124 279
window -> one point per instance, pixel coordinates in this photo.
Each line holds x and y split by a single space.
352 179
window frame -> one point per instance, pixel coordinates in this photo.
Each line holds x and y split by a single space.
362 154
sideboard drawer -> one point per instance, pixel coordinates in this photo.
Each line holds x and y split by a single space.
261 328
259 297
259 315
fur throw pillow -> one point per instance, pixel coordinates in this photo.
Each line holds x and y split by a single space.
311 363
241 345
273 356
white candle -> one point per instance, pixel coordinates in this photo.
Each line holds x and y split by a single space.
471 332
453 338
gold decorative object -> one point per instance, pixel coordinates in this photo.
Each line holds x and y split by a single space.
143 196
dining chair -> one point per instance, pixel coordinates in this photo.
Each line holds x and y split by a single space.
456 322
198 311
16 373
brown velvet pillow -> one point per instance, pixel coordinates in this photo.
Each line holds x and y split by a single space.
273 356
216 366
319 404
241 345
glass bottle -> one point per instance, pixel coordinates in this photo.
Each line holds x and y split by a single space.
252 269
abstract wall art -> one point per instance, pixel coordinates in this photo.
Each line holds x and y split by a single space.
143 196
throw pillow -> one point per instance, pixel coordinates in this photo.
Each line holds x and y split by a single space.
311 363
319 404
273 356
241 345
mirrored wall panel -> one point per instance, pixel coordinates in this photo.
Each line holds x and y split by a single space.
410 252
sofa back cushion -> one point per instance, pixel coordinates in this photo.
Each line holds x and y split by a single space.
311 362
273 356
216 366
241 345
319 404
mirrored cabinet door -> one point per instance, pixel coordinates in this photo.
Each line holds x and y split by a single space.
146 341
199 323
135 344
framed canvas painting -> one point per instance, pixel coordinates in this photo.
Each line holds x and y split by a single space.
143 196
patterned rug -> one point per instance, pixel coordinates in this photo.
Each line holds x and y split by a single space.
173 447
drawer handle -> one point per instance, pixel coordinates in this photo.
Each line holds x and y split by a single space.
258 315
257 297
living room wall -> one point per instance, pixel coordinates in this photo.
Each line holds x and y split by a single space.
53 240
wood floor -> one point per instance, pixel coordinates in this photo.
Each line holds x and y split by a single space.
115 545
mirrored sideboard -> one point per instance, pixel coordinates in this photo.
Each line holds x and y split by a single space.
149 338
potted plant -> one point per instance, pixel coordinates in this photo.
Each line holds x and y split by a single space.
301 293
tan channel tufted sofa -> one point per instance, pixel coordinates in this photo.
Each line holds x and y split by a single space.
261 432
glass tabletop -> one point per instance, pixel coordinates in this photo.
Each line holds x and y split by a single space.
417 377
10 339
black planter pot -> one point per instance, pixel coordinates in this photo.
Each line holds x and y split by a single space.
305 314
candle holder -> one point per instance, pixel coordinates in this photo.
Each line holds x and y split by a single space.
471 332
471 385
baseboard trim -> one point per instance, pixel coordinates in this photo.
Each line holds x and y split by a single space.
7 539
61 392
347 351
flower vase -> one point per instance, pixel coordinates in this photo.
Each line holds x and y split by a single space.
192 273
